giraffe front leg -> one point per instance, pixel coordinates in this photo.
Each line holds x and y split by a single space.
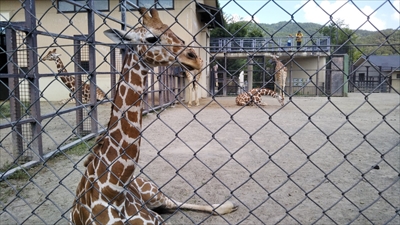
196 98
153 198
283 84
190 95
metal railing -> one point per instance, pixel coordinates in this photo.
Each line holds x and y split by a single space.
277 44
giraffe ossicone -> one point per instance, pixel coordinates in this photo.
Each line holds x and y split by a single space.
108 192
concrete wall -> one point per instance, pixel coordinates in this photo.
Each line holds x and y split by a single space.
304 68
396 81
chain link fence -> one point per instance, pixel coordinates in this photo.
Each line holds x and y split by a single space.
330 155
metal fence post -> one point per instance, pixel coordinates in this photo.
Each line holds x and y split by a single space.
15 106
78 85
113 66
33 72
92 67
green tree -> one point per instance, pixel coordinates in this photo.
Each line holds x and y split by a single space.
342 38
239 28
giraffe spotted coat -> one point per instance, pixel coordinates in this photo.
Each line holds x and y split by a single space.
108 192
254 97
69 81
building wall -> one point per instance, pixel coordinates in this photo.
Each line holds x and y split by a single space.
396 80
186 24
310 67
374 73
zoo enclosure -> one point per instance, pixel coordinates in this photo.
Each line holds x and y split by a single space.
25 95
26 117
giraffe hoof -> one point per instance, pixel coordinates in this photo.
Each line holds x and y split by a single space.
225 208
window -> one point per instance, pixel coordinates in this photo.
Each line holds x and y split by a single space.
398 76
101 5
160 4
85 65
361 77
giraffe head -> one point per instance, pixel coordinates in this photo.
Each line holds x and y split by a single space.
156 44
51 56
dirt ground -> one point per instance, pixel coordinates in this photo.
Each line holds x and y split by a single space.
315 160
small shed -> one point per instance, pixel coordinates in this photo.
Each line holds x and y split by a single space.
376 73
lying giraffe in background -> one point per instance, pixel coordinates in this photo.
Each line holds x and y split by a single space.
254 97
108 192
69 81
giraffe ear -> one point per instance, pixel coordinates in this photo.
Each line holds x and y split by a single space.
119 36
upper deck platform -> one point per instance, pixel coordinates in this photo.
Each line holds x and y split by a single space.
245 46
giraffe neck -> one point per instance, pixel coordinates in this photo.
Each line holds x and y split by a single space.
279 66
120 148
67 80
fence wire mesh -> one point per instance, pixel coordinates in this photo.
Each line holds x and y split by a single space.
329 155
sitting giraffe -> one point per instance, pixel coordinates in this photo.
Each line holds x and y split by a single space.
280 76
254 96
108 192
193 85
69 81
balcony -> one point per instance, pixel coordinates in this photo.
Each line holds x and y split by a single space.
278 44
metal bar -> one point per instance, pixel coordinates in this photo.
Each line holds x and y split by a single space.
31 40
92 65
14 95
113 65
78 86
3 176
46 116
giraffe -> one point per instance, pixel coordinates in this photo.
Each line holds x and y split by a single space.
193 78
254 96
108 192
69 81
280 76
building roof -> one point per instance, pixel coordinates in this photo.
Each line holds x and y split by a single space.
210 15
386 62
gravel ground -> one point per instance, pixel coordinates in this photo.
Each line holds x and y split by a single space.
313 160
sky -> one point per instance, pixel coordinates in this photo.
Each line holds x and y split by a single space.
382 14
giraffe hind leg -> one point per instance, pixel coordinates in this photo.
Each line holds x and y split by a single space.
155 199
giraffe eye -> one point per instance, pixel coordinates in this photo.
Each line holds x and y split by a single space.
152 40
191 55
